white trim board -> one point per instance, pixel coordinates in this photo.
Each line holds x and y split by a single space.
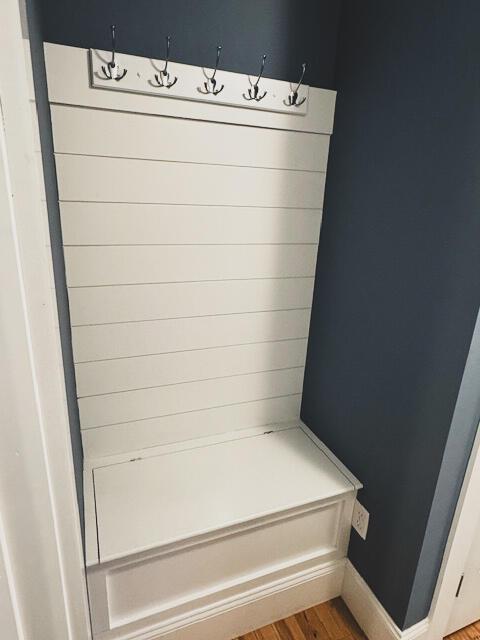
370 614
190 84
41 541
65 87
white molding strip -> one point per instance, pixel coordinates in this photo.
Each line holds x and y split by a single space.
65 87
375 622
140 78
245 611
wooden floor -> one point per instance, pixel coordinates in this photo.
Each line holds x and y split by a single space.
469 633
329 621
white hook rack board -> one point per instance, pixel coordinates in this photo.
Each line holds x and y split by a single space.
140 78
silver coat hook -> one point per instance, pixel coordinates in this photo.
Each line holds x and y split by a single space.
253 92
211 84
112 70
292 100
163 78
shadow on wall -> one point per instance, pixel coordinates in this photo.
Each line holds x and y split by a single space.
397 286
288 31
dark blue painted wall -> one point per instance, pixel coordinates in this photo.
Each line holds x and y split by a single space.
398 278
289 31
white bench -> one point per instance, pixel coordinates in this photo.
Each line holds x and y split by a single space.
225 535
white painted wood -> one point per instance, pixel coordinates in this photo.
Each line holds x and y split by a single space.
331 456
176 446
109 133
191 84
193 571
67 88
40 534
124 374
93 223
234 612
103 342
466 608
100 305
370 614
93 266
156 501
131 436
128 406
10 616
99 179
467 514
212 224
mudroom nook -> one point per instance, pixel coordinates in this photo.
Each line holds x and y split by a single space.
191 205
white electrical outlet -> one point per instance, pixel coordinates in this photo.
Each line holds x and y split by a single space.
360 519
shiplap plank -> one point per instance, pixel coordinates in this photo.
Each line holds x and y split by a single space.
98 179
109 133
133 436
125 374
93 223
102 342
100 305
66 87
129 406
94 266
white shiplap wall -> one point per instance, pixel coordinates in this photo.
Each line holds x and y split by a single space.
190 235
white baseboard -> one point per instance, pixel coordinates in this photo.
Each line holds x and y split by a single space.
370 614
246 611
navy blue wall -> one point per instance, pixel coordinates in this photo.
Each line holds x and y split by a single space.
289 31
398 278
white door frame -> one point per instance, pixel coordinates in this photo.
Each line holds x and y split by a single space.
40 541
459 542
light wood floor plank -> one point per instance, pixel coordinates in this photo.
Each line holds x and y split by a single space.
331 621
328 621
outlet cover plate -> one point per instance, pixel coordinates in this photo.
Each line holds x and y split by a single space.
360 519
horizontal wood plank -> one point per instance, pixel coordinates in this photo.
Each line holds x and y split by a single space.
105 223
109 133
133 436
102 342
129 406
93 266
125 374
98 179
98 305
66 87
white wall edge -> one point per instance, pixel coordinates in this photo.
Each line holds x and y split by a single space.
41 541
375 622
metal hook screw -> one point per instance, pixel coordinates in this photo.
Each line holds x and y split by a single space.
211 84
253 92
163 78
112 70
292 100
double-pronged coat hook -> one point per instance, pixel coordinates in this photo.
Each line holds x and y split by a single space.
292 100
111 70
211 84
163 78
254 92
